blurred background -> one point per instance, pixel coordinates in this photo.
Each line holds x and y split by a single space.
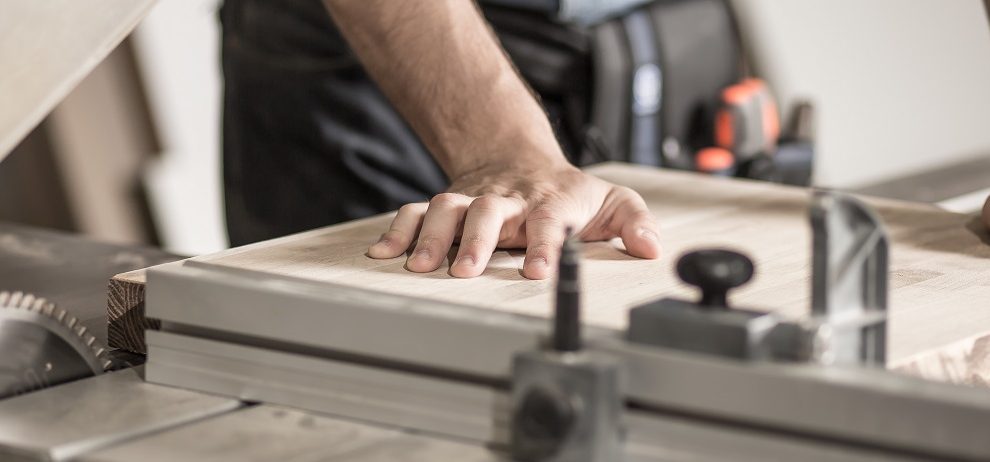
900 90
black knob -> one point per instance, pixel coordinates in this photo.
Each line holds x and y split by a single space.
541 424
715 271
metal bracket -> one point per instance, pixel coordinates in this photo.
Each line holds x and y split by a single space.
849 281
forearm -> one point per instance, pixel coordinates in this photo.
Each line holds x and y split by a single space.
511 186
439 63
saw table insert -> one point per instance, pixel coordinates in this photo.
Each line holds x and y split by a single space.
939 278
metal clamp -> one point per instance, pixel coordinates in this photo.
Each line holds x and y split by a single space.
849 281
567 402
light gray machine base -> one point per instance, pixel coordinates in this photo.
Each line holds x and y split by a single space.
65 421
864 411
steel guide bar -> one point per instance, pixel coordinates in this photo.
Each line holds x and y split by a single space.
872 409
446 409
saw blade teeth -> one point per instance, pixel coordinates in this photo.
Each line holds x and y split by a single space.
82 340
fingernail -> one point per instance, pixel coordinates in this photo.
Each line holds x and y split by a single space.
649 234
422 254
539 261
384 241
466 260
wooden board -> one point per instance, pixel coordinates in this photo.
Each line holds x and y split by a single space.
47 48
940 269
126 322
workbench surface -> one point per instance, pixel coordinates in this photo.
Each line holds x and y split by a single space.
120 417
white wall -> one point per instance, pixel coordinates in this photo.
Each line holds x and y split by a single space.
900 85
178 52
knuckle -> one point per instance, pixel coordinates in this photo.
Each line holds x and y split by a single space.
410 208
486 203
625 191
539 253
445 200
542 247
394 235
543 215
626 196
473 241
516 195
428 241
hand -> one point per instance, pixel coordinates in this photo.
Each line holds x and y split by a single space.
986 214
517 207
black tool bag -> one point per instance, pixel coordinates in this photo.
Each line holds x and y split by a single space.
641 86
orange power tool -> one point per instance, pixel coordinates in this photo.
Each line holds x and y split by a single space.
747 125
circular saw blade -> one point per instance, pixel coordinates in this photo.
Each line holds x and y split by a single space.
43 345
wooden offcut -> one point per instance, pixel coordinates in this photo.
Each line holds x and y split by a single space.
939 275
126 322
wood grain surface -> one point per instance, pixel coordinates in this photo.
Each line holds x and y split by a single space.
126 322
939 278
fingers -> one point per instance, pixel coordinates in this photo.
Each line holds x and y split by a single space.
637 226
544 236
481 235
401 233
440 225
492 220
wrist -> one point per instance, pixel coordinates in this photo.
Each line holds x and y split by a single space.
518 143
512 156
